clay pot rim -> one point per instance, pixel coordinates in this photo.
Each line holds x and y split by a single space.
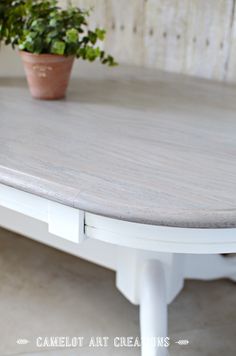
44 55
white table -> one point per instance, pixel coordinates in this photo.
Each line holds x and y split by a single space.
135 171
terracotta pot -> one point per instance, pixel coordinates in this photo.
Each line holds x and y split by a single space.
47 74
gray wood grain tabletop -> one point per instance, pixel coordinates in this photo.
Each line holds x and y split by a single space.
128 143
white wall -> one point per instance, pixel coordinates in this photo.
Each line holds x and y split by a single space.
10 63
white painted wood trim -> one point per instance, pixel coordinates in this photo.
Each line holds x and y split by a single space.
127 262
63 221
160 238
25 203
130 246
211 267
74 225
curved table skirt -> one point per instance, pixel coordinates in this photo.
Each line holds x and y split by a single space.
139 254
160 238
76 226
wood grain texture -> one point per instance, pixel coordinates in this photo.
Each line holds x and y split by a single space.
128 143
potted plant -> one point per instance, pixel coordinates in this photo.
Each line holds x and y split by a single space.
49 39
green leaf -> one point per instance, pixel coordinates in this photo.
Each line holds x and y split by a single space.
42 26
53 22
100 34
72 35
92 36
52 34
38 25
58 47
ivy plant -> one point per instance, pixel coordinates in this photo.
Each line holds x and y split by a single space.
11 19
43 27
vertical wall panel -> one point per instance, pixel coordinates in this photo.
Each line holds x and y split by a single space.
231 68
209 34
63 2
98 11
188 36
165 33
125 30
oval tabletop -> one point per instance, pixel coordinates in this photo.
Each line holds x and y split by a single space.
127 143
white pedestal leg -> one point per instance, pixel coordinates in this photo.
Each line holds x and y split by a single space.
153 307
